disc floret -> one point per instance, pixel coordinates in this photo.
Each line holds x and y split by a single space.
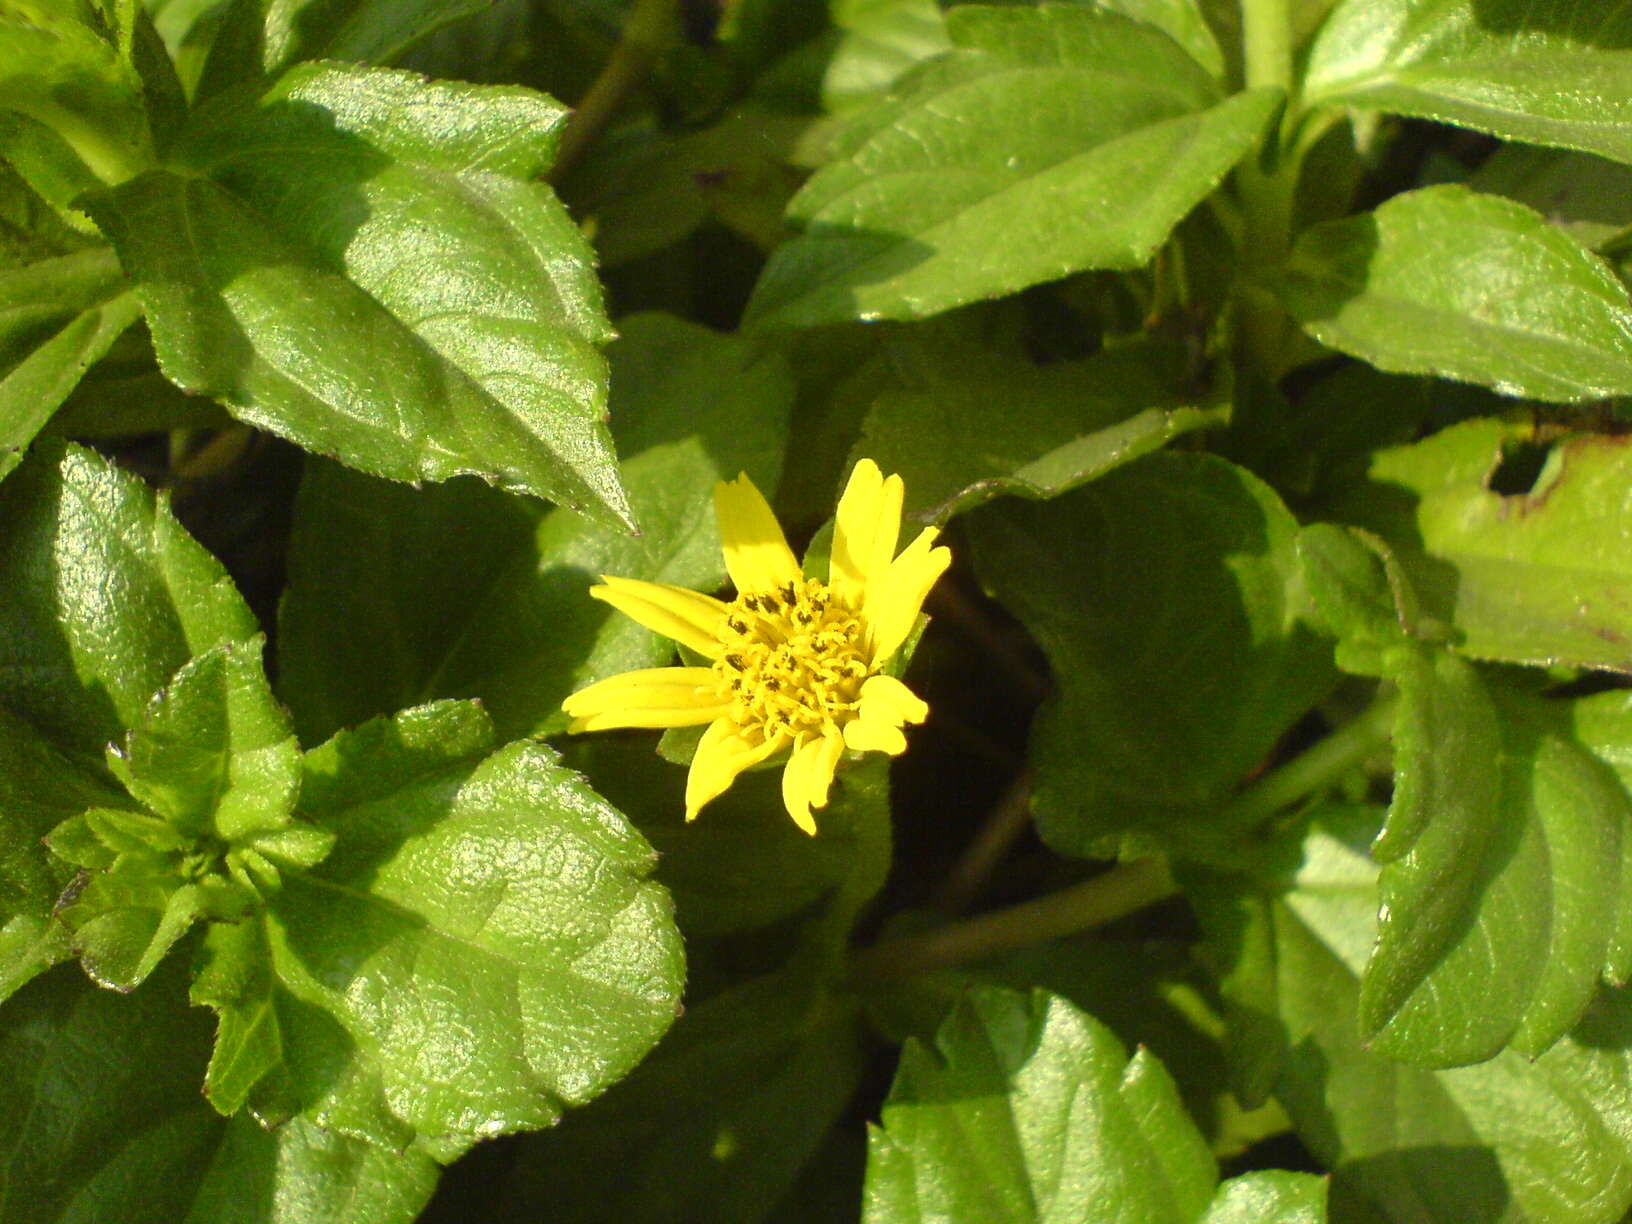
793 660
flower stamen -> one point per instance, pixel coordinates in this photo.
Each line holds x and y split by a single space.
793 660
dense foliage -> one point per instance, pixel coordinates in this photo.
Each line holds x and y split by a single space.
1266 854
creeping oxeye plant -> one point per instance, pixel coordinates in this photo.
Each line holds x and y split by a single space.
1265 369
795 662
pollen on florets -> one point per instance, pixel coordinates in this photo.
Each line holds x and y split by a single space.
794 659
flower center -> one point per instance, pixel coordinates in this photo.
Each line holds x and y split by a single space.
794 659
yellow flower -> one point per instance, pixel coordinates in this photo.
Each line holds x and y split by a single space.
794 662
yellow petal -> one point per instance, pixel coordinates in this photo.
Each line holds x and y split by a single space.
866 528
690 618
885 705
721 755
756 552
808 776
867 735
650 697
887 697
894 597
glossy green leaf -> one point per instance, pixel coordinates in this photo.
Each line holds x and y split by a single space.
380 615
215 758
214 753
102 597
480 951
1554 74
1029 1110
1509 1140
1061 425
715 1124
1500 890
1504 844
1269 1197
1448 282
101 1120
1079 135
1168 599
128 918
341 265
1151 994
1535 575
57 316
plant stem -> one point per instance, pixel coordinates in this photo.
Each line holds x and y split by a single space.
1120 891
992 843
645 32
1268 182
1307 772
1266 40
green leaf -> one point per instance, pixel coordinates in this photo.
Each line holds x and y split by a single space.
339 266
740 866
879 41
234 976
380 615
1078 135
1169 601
1180 20
30 230
1603 724
1269 1197
1027 1109
1500 890
100 1119
1449 282
39 788
1315 447
1504 844
1587 197
480 951
1531 576
214 753
102 597
1553 74
1153 994
57 316
1510 1139
126 920
1061 425
61 67
715 1124
258 37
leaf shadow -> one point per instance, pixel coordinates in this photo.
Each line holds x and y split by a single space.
1435 1181
1582 24
819 276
